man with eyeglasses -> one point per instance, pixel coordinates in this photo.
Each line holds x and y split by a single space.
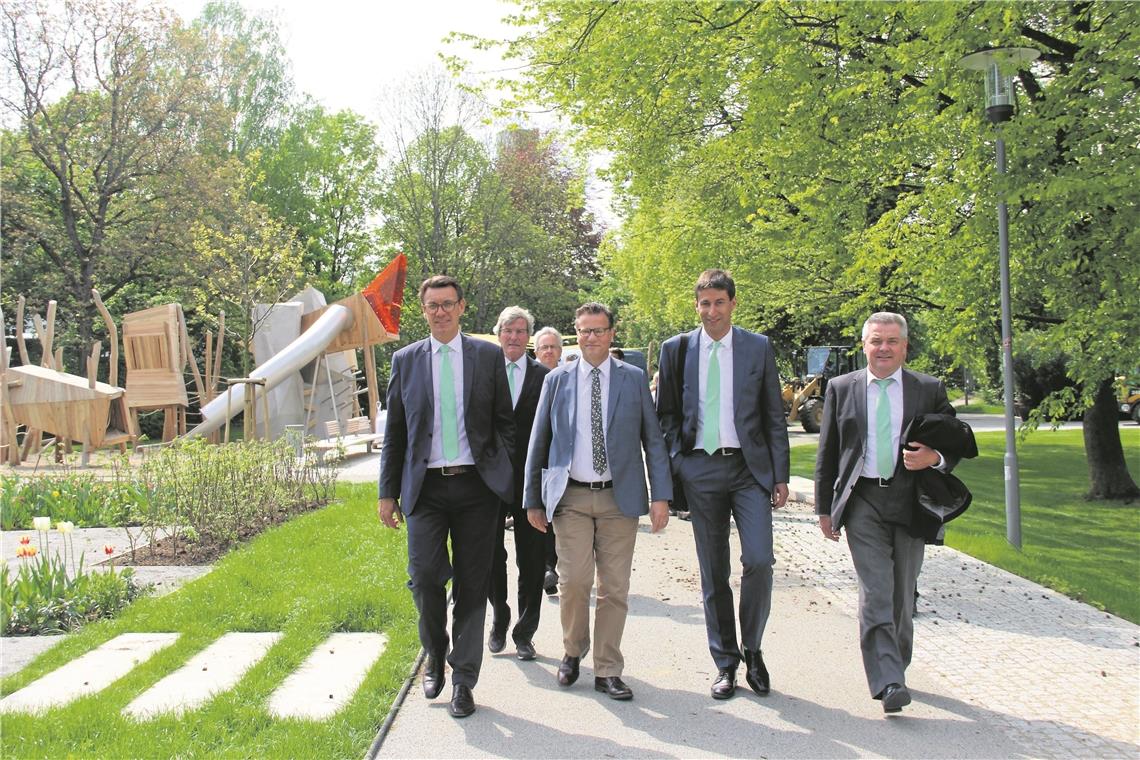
548 351
446 465
585 472
524 376
718 397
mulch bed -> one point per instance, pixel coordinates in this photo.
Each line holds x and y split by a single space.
179 552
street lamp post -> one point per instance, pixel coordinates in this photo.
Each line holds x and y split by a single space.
999 66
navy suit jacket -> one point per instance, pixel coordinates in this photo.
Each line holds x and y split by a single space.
525 410
487 416
758 409
631 426
843 434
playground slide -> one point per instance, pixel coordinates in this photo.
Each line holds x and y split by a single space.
304 349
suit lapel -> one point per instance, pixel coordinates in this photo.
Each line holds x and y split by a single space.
691 391
469 373
425 379
739 371
617 384
910 389
859 396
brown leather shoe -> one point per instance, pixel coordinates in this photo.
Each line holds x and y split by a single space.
725 684
568 670
613 687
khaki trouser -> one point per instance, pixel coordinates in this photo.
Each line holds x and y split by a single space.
591 532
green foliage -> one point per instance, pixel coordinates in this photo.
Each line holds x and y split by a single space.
77 497
45 597
332 570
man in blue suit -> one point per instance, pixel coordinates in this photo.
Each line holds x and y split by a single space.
447 460
584 471
718 398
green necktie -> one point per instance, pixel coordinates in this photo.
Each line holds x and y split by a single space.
712 401
883 454
511 369
448 420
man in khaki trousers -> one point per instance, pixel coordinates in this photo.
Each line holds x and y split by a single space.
585 471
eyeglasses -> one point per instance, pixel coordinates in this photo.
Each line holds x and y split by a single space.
597 332
551 347
434 306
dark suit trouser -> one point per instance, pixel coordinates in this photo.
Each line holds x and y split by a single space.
887 561
462 507
717 489
529 559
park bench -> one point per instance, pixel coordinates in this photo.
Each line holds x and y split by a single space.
357 430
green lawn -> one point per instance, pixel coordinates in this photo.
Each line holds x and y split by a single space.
980 408
1087 550
332 570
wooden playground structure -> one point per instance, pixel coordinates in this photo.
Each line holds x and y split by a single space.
43 406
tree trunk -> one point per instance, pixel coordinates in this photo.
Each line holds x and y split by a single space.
1108 470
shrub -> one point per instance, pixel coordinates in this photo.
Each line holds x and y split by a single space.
76 497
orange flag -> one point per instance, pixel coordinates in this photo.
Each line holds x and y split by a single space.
385 294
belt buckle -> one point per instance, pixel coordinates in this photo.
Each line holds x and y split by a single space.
726 452
597 485
885 482
448 470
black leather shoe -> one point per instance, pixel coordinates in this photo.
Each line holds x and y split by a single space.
496 641
755 673
550 583
433 677
613 687
462 702
684 515
568 670
525 650
725 684
895 697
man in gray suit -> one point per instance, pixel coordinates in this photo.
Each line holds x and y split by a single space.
584 471
864 481
718 397
446 458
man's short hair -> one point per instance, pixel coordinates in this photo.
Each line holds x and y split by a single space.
593 307
547 331
885 318
715 279
510 314
617 353
441 281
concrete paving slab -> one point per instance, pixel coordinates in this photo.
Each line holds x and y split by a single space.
88 673
18 651
1019 679
329 677
215 669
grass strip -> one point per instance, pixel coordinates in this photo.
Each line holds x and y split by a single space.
1088 550
331 570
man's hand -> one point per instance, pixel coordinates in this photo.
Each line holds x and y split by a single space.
537 519
825 528
780 497
658 516
389 513
919 456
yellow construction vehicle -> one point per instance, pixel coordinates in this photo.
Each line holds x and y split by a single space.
803 395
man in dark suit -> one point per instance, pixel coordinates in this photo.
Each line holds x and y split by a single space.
718 398
584 471
524 376
548 351
446 463
865 481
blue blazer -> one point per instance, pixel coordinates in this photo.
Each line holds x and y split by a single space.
487 415
631 426
758 409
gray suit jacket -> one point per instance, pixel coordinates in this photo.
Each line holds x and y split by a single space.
758 410
487 416
843 434
631 426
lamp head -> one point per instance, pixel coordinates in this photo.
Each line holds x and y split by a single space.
999 65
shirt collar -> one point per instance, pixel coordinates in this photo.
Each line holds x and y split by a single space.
707 341
584 368
519 362
896 376
455 344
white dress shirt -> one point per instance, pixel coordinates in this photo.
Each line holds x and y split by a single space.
895 395
582 463
728 436
435 458
520 373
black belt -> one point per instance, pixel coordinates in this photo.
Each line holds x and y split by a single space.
454 469
724 451
877 482
597 485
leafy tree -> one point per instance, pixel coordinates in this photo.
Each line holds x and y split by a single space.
835 158
322 178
